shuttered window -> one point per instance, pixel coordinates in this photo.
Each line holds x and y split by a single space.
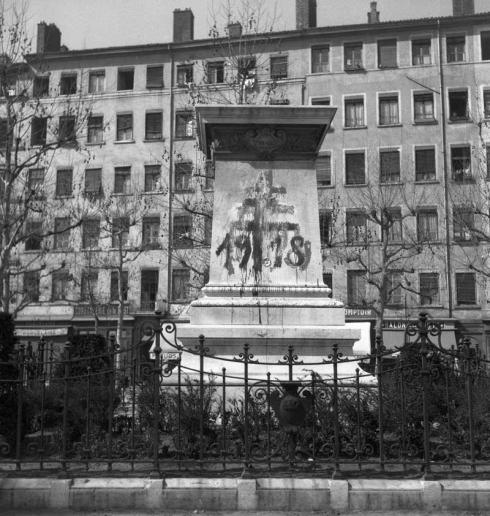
465 288
153 126
64 182
356 288
93 181
154 76
387 53
389 166
429 288
323 171
90 233
355 173
425 164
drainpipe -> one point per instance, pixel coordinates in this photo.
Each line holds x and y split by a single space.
171 180
446 172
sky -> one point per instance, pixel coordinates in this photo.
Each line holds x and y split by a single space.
103 23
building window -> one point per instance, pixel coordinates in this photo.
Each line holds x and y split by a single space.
356 288
215 72
96 81
485 45
355 168
39 128
115 285
465 288
154 77
427 225
279 67
68 84
463 224
120 232
421 52
425 164
184 75
461 164
181 279
392 225
67 131
182 231
356 227
320 59
88 291
125 79
62 233
184 124
149 289
320 101
323 166
458 105
153 126
429 288
95 129
354 112
393 285
455 47
32 281
40 87
326 227
388 110
486 103
328 281
90 233
122 180
60 284
34 235
93 182
389 166
387 53
353 56
64 182
35 182
152 178
183 175
423 107
124 127
151 232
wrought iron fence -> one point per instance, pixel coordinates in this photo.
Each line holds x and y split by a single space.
422 408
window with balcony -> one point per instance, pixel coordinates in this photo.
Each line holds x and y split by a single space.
429 288
485 45
421 52
61 233
215 72
461 164
60 285
88 290
394 290
120 232
354 112
39 128
326 227
93 182
279 67
64 182
67 132
154 77
184 124
392 225
323 166
153 125
151 232
184 75
463 224
124 127
68 84
32 280
458 105
387 53
183 175
427 225
423 107
181 279
389 110
96 81
353 56
455 49
389 166
356 288
465 288
149 289
90 233
34 235
152 178
355 168
356 227
40 87
125 79
182 231
320 57
115 285
425 164
95 129
122 180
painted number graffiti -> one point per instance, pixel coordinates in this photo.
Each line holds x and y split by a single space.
300 253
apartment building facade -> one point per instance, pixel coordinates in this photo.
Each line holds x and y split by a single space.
412 99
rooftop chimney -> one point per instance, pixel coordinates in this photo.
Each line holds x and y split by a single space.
48 38
235 30
462 7
183 25
373 14
305 14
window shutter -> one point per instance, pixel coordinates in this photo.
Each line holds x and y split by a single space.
324 171
154 77
387 53
354 168
465 288
153 126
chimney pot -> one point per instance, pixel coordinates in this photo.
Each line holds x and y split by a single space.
305 14
373 14
183 25
48 38
462 7
234 30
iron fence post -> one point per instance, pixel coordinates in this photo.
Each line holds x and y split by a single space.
87 417
469 398
246 437
424 349
110 408
156 402
336 431
20 402
379 376
66 378
201 400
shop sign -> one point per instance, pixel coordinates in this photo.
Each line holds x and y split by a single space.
401 324
359 313
41 332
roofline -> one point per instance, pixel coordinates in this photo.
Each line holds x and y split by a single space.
334 30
